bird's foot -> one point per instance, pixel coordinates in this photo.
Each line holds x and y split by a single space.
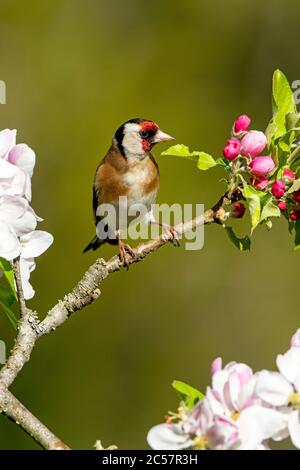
171 234
126 253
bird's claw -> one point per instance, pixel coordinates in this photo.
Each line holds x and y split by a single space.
124 251
171 235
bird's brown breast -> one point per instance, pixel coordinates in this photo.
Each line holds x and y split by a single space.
118 176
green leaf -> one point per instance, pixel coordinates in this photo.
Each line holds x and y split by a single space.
269 209
283 103
242 244
188 394
180 150
204 160
297 235
295 186
253 198
6 295
292 121
10 314
5 266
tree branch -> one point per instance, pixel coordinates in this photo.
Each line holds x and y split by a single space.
83 294
14 410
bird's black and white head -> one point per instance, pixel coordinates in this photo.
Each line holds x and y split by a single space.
135 138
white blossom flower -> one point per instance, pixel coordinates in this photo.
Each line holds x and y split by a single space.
228 418
282 390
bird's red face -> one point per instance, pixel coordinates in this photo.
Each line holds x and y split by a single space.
137 137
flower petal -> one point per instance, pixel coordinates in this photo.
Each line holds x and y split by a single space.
24 157
273 388
168 437
25 224
10 247
256 424
12 208
35 243
289 363
7 141
26 268
294 427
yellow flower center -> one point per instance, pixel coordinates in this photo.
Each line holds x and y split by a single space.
200 443
235 415
294 400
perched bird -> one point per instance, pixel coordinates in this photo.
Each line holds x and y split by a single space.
128 169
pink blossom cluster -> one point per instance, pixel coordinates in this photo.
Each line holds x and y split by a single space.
241 410
248 145
18 221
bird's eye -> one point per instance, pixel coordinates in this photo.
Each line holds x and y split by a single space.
144 134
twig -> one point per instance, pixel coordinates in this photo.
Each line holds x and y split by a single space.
17 273
14 410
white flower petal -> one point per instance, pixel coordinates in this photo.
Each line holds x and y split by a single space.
24 157
294 427
7 141
7 170
35 243
10 247
26 268
256 424
25 224
168 437
273 388
12 208
289 363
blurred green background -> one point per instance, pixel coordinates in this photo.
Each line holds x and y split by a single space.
75 70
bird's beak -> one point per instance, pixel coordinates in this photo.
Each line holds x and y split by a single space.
162 137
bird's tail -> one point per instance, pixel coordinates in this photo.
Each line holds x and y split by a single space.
94 244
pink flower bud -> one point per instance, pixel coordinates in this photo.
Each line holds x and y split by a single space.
259 183
278 189
216 365
295 340
295 214
238 210
232 149
241 124
289 174
282 206
253 143
296 196
262 166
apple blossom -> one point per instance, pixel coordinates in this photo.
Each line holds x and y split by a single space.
282 390
282 205
296 196
278 189
253 143
259 183
261 166
18 221
295 214
241 124
232 149
238 210
288 174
